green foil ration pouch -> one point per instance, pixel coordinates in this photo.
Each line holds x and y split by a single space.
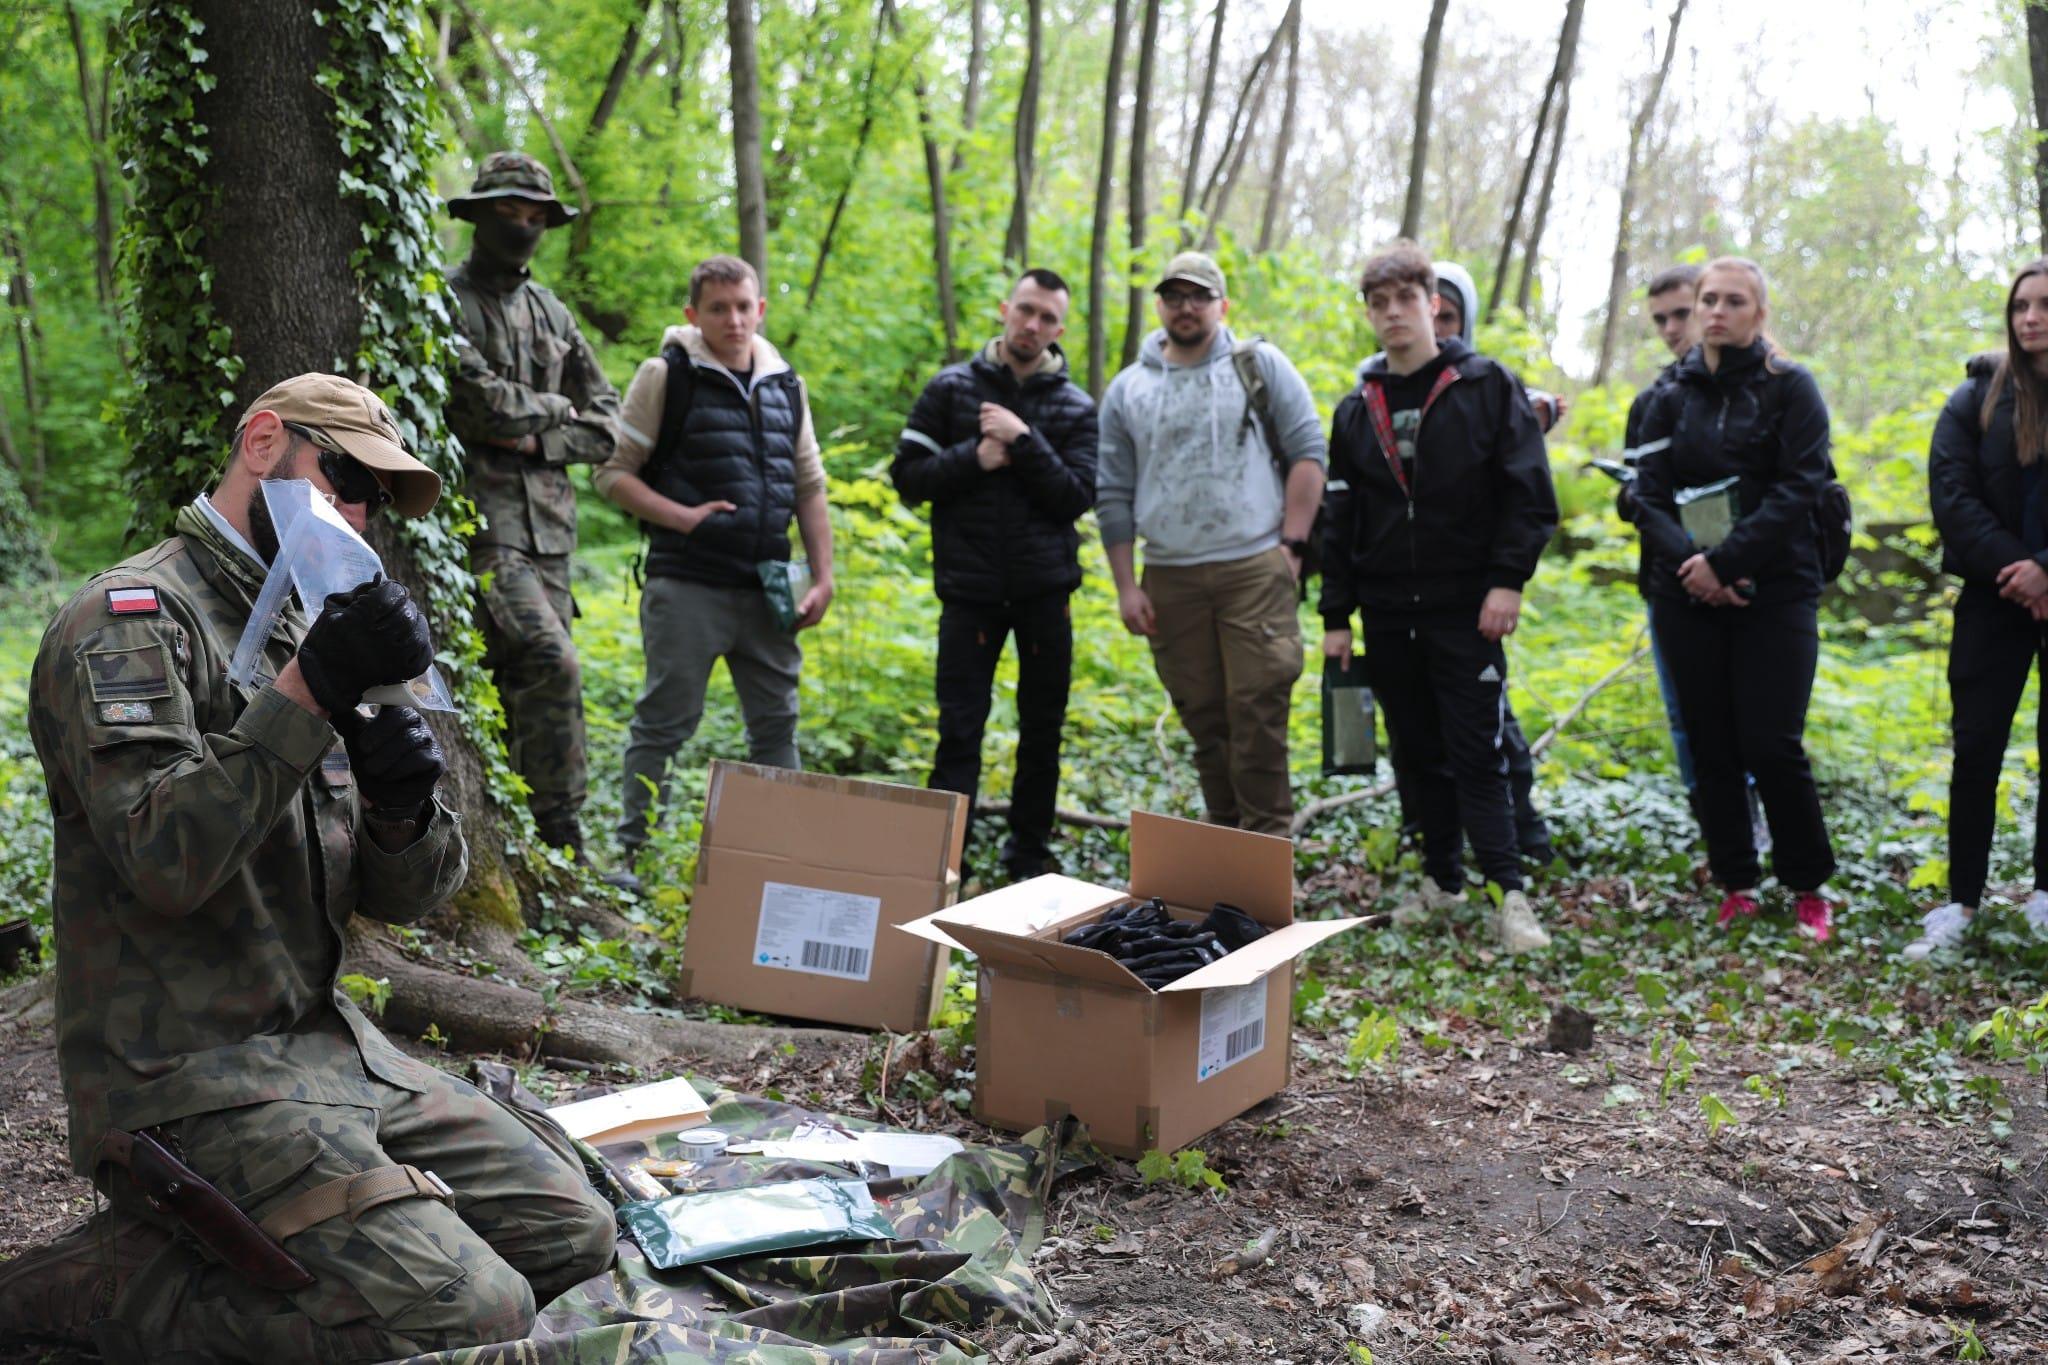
692 1228
1710 512
785 582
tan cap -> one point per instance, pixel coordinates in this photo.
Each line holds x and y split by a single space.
348 418
1193 267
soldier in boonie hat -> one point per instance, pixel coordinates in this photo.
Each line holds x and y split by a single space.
511 175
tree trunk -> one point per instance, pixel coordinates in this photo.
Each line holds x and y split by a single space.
1283 146
2037 66
750 184
1237 139
615 82
1105 192
970 96
1532 252
28 343
935 182
1560 76
95 111
1141 150
1017 241
1202 110
860 147
1617 280
1425 92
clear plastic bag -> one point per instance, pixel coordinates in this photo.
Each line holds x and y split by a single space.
1348 739
1708 513
319 554
692 1228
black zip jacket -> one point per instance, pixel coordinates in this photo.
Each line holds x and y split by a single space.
1476 515
1006 535
1974 483
1763 423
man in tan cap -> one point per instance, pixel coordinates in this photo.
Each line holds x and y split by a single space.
1213 455
528 400
211 844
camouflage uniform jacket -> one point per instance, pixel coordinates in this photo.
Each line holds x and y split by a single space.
208 854
521 365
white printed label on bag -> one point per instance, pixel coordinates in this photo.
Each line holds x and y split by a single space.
809 929
1233 1027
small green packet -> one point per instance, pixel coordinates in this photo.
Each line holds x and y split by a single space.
785 581
1709 513
1348 730
692 1228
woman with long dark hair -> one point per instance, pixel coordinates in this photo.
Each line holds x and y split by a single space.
1984 476
1734 466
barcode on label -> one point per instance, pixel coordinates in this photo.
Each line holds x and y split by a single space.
1250 1038
836 958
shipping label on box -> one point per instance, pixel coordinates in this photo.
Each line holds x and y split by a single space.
1233 1027
811 929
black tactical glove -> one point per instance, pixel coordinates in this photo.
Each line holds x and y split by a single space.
369 636
396 759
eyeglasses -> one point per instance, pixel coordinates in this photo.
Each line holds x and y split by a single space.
351 479
1186 298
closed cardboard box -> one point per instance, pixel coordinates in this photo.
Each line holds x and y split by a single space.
1060 1029
800 880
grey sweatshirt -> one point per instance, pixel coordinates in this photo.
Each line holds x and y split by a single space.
1180 467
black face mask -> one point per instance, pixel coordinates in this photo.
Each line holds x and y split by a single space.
506 243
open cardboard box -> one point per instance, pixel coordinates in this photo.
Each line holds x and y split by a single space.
1060 1029
799 878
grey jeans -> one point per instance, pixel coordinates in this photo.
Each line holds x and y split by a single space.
685 628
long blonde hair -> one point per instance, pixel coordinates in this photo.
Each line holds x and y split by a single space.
1776 359
2029 390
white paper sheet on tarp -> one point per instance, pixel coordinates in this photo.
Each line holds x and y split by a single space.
902 1154
811 929
319 554
644 1111
1233 1027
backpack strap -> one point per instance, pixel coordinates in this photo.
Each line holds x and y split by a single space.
675 405
1258 400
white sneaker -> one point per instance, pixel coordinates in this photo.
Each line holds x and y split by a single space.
2036 911
1424 904
1514 924
1941 927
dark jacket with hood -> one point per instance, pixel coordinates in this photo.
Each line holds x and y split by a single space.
1476 515
1761 421
1007 534
1975 483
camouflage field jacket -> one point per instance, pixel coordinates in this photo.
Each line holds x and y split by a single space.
521 368
208 853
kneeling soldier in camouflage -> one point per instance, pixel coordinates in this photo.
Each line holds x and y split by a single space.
285 1185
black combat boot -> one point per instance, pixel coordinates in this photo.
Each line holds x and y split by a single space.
56 1292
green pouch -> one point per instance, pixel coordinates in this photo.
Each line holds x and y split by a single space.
785 581
692 1228
1348 738
1709 513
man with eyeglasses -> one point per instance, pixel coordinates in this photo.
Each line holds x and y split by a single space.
1222 484
211 843
528 400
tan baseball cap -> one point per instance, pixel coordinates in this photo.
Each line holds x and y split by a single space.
1192 267
346 417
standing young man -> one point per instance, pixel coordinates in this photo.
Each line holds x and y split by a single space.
716 456
528 400
1003 448
1223 487
1446 508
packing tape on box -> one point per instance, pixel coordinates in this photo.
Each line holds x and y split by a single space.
1151 1014
1066 997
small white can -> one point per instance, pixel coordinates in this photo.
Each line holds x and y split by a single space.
700 1144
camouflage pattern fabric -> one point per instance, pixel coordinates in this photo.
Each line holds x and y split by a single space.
411 1275
208 853
527 648
961 1261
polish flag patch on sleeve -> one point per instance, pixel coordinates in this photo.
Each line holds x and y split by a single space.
133 601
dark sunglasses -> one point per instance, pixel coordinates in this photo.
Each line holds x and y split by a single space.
351 479
1182 298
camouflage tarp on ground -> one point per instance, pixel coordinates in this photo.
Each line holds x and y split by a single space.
961 1261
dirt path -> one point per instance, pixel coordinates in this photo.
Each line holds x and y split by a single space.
1491 1204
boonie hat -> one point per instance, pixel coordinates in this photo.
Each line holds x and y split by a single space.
511 175
347 418
1192 267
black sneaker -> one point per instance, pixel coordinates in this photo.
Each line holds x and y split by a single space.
622 879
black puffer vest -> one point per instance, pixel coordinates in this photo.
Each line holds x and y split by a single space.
729 449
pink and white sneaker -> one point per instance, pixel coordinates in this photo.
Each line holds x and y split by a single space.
1815 915
1734 906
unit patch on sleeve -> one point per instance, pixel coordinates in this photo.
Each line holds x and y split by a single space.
127 712
133 601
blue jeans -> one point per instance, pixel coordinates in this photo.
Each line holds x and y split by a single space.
1679 743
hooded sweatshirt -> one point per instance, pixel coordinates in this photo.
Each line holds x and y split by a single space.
1183 468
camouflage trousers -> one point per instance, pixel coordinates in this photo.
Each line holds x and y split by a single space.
531 657
406 1277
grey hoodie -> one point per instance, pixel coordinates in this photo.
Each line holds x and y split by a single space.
1179 465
